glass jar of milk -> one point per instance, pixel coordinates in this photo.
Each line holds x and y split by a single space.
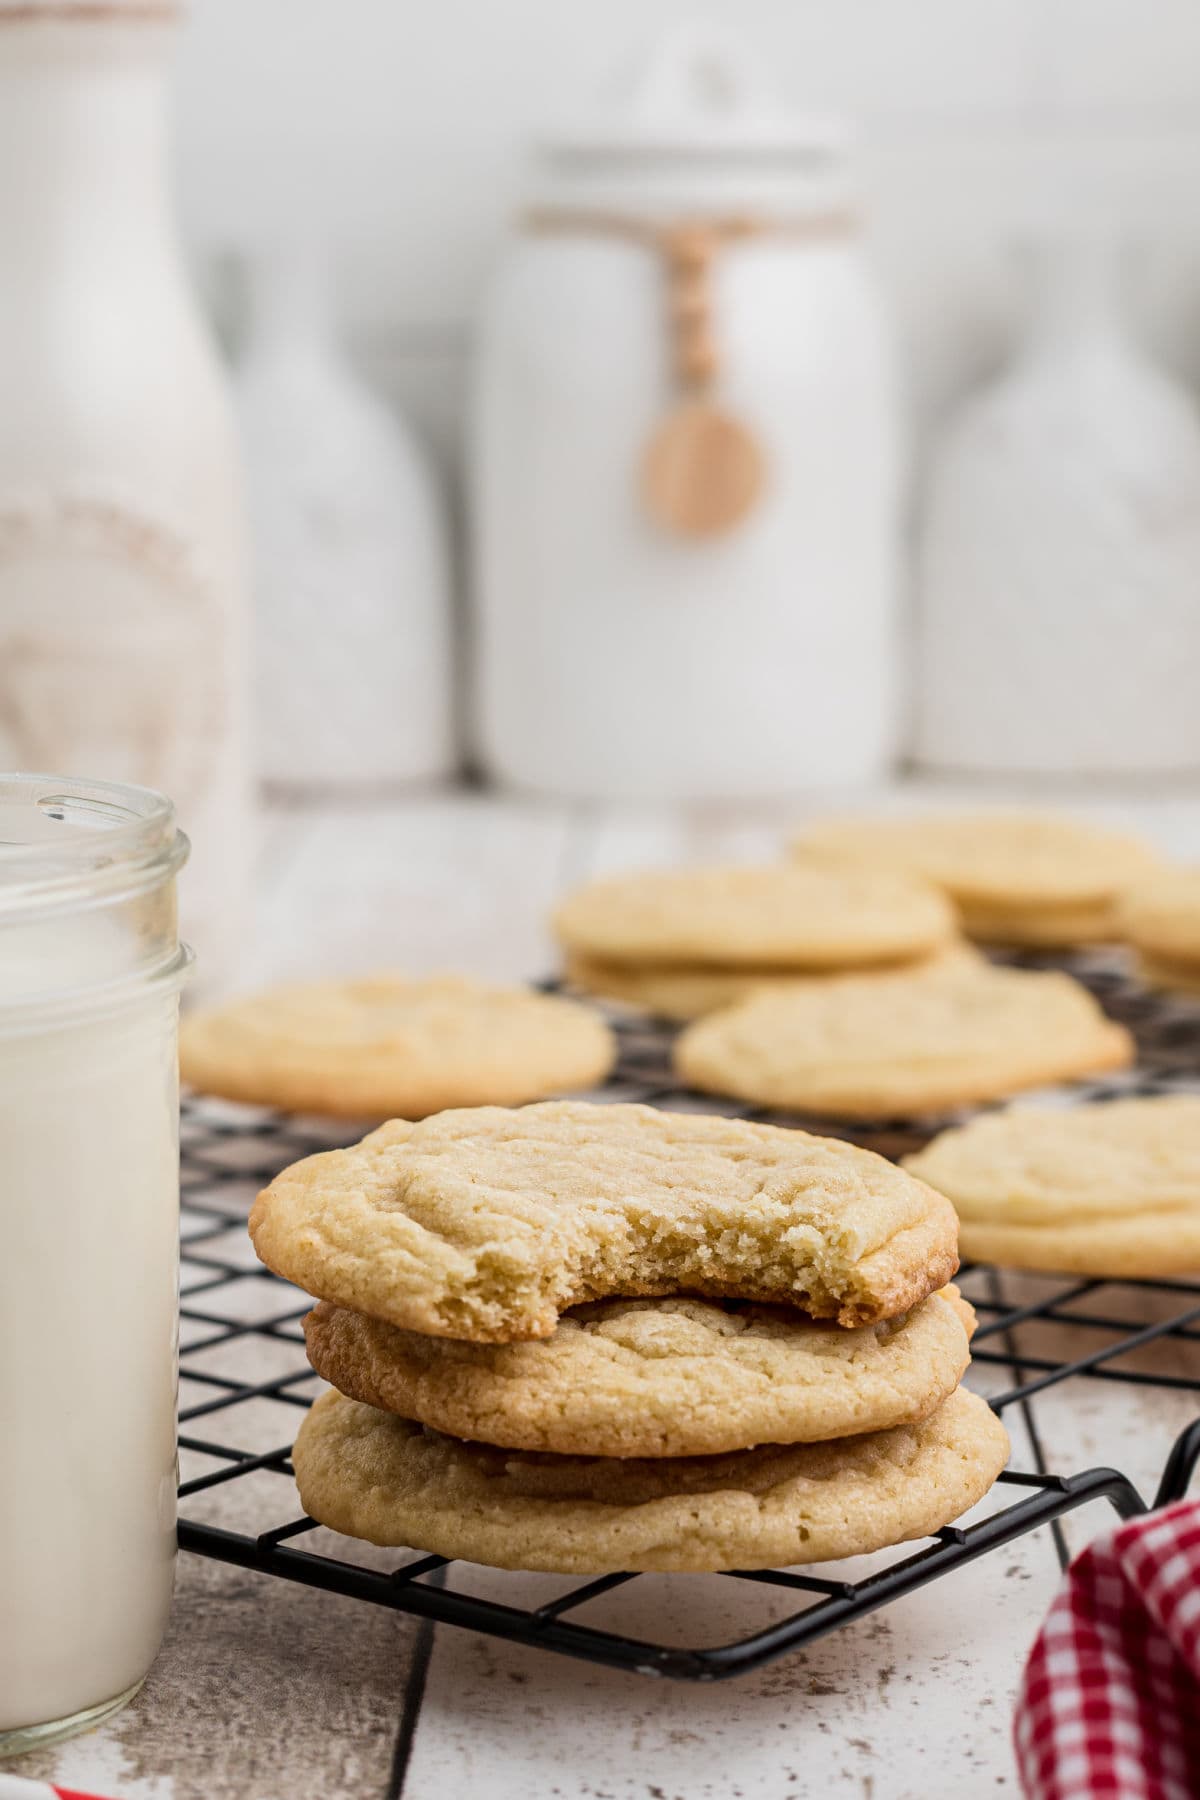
90 972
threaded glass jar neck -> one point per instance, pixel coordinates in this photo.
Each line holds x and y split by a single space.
87 896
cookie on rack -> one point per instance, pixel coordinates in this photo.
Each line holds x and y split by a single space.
1161 919
685 991
771 919
385 1046
370 1474
678 991
668 1377
1108 1188
487 1224
905 1045
1016 878
1170 977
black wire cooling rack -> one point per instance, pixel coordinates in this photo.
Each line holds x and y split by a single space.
245 1379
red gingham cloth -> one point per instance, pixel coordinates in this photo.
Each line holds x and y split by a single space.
1109 1705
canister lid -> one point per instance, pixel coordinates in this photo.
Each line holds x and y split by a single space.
697 114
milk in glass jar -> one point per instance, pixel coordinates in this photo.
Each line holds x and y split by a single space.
90 972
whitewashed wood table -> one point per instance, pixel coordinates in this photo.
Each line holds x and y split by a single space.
269 1691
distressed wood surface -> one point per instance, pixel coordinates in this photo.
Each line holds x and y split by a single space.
265 1691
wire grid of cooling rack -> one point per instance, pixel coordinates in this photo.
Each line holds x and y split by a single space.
243 1355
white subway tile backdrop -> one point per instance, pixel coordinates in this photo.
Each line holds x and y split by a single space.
399 130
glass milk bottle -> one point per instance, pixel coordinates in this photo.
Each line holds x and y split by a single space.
90 971
122 562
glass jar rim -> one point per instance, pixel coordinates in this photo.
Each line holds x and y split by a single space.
120 840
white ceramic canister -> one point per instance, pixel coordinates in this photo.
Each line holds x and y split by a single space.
123 623
1059 569
90 970
753 654
351 581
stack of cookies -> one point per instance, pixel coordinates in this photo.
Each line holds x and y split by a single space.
682 942
600 1338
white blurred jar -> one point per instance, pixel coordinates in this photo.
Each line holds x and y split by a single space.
1059 578
351 581
615 658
